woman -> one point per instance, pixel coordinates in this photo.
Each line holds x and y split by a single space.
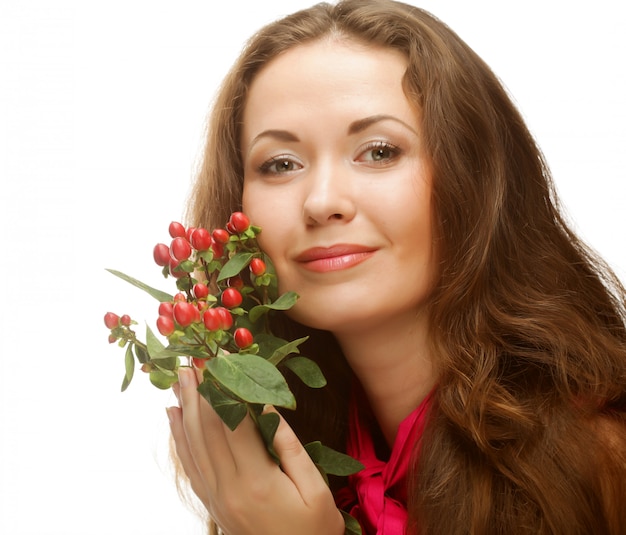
475 349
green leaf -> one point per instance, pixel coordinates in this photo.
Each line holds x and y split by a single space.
162 379
153 344
252 378
235 265
129 364
307 370
142 354
268 424
268 343
187 266
263 280
156 349
331 461
157 294
184 284
188 351
168 364
249 233
352 525
231 411
272 288
286 349
284 302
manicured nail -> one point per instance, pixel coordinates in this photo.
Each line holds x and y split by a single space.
184 376
170 417
176 390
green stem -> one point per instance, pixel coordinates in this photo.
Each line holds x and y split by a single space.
132 338
205 267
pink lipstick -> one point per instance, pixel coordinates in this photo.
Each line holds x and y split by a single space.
334 258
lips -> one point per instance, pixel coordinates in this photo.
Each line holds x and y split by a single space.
334 258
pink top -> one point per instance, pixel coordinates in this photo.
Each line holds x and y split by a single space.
377 495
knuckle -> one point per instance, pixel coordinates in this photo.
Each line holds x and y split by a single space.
321 499
258 490
288 443
235 501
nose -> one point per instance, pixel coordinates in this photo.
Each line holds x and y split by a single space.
329 196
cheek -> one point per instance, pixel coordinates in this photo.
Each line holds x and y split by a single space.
246 205
257 203
265 213
253 206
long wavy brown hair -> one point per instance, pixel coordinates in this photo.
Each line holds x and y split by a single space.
528 430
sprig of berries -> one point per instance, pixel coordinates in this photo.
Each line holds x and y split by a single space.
218 321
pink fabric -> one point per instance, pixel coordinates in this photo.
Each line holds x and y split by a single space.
377 495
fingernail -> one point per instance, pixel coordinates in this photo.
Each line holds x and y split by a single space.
170 417
184 376
176 390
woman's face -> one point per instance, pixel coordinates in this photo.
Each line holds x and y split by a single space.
335 174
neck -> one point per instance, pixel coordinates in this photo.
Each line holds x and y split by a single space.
393 365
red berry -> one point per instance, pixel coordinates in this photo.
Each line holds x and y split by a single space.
189 232
180 249
185 313
236 282
212 320
125 320
217 318
175 270
180 296
257 266
201 239
200 290
198 362
112 339
166 309
217 248
177 230
111 320
220 235
239 221
165 325
243 337
226 318
161 254
231 298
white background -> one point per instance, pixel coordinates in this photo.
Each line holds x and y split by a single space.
101 115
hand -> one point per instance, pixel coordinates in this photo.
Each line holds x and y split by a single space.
243 489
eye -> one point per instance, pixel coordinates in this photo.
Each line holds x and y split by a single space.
379 152
279 165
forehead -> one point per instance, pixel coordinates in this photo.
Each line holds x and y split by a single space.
331 74
332 55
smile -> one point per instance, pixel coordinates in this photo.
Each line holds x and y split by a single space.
335 258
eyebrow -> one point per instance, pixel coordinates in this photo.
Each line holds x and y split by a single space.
280 135
354 128
362 124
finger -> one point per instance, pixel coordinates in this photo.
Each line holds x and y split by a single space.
176 390
197 482
296 462
248 449
214 430
204 430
